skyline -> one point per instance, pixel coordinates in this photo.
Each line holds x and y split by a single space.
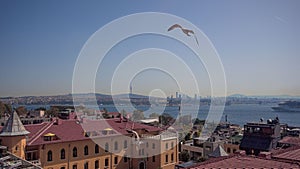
258 44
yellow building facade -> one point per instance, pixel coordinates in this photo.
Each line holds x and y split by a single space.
65 144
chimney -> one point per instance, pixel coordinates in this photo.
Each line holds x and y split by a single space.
265 155
241 152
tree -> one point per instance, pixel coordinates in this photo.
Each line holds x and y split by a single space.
154 115
199 122
166 119
21 110
5 109
138 115
184 156
105 113
187 137
52 112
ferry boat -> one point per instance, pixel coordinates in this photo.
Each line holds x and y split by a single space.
288 106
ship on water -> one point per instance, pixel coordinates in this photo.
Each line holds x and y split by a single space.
288 106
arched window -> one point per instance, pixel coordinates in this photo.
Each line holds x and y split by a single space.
74 152
49 155
86 150
106 147
97 164
86 165
116 145
62 154
96 149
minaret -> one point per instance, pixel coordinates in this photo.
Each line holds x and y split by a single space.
13 135
130 89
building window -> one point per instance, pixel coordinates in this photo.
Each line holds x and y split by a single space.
62 154
16 148
116 145
167 146
153 158
62 167
106 147
74 152
153 146
172 145
106 163
167 158
172 157
74 166
147 144
125 159
86 150
49 155
125 144
97 164
96 149
116 160
86 165
228 150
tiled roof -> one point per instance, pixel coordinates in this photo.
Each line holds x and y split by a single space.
72 130
68 130
13 126
292 155
237 161
290 140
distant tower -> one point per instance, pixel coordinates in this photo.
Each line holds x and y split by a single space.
130 89
13 135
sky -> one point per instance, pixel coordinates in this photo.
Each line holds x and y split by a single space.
257 41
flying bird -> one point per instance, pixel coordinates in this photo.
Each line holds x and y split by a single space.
188 32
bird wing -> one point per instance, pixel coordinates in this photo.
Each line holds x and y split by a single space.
187 31
174 26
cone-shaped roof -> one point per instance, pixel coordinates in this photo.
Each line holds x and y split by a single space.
13 126
218 152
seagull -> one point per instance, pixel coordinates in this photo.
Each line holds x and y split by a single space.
188 32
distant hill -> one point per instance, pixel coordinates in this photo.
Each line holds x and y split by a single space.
238 95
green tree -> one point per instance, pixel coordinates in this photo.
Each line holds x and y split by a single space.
5 109
52 112
21 110
187 137
184 156
166 119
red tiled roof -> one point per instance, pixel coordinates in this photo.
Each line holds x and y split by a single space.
290 140
34 128
237 161
68 130
72 130
292 155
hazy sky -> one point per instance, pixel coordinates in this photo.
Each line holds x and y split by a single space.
258 43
